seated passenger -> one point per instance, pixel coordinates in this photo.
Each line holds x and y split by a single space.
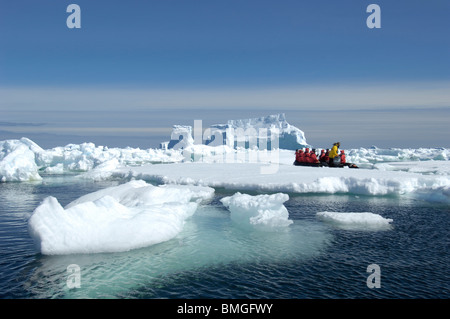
313 157
307 158
322 156
342 157
299 155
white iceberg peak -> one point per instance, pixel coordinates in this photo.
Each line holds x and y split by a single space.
17 160
266 132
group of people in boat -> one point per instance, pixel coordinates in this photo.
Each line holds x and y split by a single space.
330 158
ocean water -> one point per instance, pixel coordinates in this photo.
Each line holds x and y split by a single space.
214 258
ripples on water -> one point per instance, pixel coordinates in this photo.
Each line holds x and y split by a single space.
212 258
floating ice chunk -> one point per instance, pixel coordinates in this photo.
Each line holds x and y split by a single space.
121 218
355 221
17 161
263 212
57 169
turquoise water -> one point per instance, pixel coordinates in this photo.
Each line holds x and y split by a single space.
214 258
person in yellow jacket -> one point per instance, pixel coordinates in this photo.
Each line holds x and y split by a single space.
334 152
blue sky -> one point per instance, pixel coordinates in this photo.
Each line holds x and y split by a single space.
234 58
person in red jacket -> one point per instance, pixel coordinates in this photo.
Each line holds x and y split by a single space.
299 155
342 157
322 156
302 156
307 156
313 157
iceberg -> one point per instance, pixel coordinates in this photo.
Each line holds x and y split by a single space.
268 132
181 137
17 161
356 221
115 219
262 212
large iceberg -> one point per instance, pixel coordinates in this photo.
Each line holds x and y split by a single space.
121 218
17 160
268 132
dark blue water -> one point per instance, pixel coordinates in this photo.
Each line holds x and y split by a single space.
315 260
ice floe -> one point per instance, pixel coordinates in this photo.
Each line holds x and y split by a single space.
120 218
356 220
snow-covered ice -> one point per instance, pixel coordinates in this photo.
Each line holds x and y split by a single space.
271 131
24 160
356 220
128 216
427 177
295 179
262 212
17 160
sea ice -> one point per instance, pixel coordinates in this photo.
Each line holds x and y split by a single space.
356 221
17 160
263 212
22 160
295 179
121 218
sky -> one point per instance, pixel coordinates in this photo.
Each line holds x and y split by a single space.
135 68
